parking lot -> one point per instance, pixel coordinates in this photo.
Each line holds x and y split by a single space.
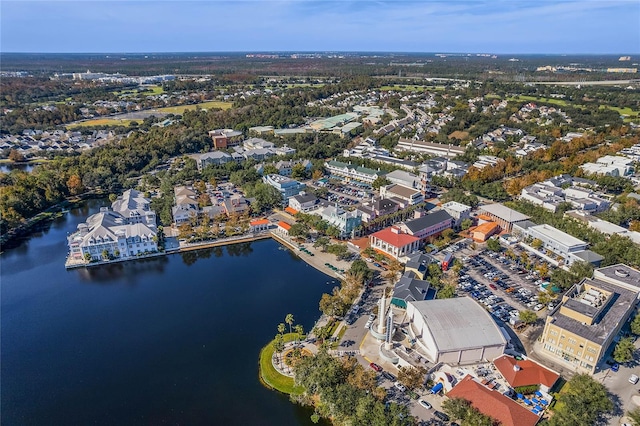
501 285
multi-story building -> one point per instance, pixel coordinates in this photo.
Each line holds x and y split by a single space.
429 225
303 202
349 172
345 221
457 211
135 208
128 230
393 242
431 148
503 216
287 187
402 195
579 332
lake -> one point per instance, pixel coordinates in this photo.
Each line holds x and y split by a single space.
170 340
7 167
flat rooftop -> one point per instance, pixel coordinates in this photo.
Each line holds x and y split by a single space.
621 273
459 323
557 235
504 213
617 305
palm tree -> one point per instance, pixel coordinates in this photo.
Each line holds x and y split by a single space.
289 320
281 328
299 331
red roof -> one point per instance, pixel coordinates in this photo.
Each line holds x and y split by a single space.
291 210
395 239
284 225
528 372
259 222
493 403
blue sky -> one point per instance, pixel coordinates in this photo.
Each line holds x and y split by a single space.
491 26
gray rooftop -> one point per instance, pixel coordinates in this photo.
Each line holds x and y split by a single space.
426 221
410 288
616 307
459 323
504 213
621 273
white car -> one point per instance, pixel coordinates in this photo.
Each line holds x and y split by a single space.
425 404
368 324
400 386
633 379
538 307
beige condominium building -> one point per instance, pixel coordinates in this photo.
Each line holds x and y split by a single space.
581 329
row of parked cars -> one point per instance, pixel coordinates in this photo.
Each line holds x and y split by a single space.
493 302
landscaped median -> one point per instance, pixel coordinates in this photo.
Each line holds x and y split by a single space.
269 376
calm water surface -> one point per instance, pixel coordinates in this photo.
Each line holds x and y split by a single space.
174 340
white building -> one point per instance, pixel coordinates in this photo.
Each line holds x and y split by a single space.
610 165
135 208
437 149
109 232
455 331
457 211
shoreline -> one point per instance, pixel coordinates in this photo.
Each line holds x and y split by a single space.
314 262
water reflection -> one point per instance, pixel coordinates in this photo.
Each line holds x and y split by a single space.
117 273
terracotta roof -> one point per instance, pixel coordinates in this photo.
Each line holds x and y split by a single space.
485 217
529 372
486 227
259 222
395 239
284 225
493 403
291 210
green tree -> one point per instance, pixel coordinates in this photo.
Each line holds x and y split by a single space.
412 377
528 317
536 243
289 320
299 230
583 402
87 257
493 244
380 181
466 224
623 352
448 291
635 325
281 328
634 415
278 346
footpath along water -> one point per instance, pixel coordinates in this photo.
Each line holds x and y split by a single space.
169 340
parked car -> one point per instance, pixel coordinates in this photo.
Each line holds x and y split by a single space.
633 379
615 367
442 416
376 367
400 386
425 404
388 376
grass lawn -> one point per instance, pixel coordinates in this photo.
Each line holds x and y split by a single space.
270 376
205 105
103 122
553 101
411 87
628 113
334 345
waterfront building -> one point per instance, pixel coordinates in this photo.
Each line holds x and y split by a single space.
579 332
135 208
110 233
